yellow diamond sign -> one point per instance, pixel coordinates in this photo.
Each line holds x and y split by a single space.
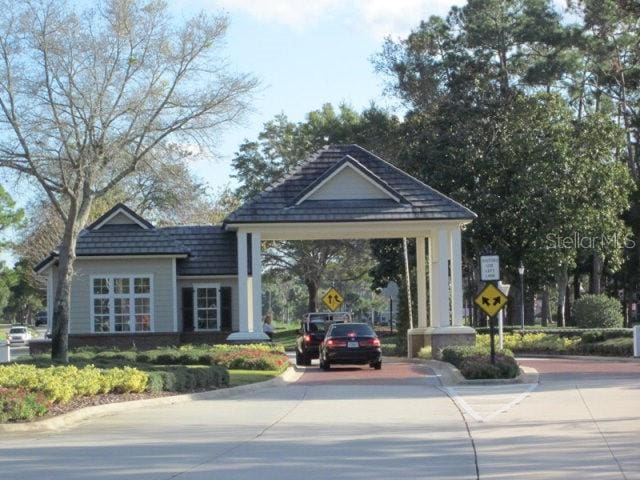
491 300
332 299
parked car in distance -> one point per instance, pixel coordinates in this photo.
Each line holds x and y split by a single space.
352 343
19 335
312 330
41 318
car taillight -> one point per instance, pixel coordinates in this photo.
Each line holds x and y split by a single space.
370 342
333 343
307 339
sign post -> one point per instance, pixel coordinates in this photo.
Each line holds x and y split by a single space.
491 300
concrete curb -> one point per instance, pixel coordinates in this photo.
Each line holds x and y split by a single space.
580 357
71 419
450 376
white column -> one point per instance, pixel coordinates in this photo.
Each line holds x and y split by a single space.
439 278
256 288
421 282
243 276
456 276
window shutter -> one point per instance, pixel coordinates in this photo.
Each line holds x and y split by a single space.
187 309
225 309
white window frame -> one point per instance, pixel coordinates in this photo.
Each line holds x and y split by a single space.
132 296
196 286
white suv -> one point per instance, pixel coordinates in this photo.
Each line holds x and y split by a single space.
19 335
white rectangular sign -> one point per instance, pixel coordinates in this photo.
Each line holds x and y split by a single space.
489 268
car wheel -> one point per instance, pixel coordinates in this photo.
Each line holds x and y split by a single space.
378 365
326 366
299 358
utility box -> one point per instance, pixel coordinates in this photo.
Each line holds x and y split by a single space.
5 352
636 341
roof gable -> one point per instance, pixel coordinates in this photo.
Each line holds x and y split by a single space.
120 214
348 179
292 200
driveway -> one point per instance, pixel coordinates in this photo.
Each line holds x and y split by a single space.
353 423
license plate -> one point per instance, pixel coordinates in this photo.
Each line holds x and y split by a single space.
352 344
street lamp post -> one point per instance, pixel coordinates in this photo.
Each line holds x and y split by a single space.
521 273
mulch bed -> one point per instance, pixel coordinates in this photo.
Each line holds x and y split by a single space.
104 399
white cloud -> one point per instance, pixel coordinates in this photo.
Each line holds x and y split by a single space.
379 17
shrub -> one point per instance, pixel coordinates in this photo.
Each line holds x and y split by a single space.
20 404
126 380
598 311
60 384
534 342
249 358
425 352
456 354
480 367
621 347
181 378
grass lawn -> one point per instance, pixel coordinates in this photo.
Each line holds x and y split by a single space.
244 377
286 336
3 336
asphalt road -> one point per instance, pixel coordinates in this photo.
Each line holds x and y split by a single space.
353 423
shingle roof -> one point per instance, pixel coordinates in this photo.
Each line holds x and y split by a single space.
212 251
277 204
128 240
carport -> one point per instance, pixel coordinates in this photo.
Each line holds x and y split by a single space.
347 192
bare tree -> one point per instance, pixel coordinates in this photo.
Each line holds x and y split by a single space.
88 97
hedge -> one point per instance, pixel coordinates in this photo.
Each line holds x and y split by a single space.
601 333
474 362
63 383
184 379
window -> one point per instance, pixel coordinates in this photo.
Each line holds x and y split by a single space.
206 311
121 303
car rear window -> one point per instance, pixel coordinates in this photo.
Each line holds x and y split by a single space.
317 327
18 330
346 329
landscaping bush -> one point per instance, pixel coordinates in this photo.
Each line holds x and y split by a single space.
474 362
478 367
241 357
62 383
182 378
534 343
620 347
598 311
20 404
425 352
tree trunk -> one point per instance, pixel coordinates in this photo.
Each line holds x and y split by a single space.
576 285
568 306
562 281
75 221
545 318
62 299
529 306
312 290
595 286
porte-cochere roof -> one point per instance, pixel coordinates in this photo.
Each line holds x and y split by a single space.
291 200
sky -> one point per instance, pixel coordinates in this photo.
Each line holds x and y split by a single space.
305 53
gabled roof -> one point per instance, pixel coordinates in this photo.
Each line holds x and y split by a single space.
120 209
284 201
347 162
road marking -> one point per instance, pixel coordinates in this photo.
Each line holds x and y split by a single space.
480 399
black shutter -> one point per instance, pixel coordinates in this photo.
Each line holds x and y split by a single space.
187 309
225 309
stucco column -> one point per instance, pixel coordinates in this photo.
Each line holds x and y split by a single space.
256 274
243 277
439 278
456 277
421 282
